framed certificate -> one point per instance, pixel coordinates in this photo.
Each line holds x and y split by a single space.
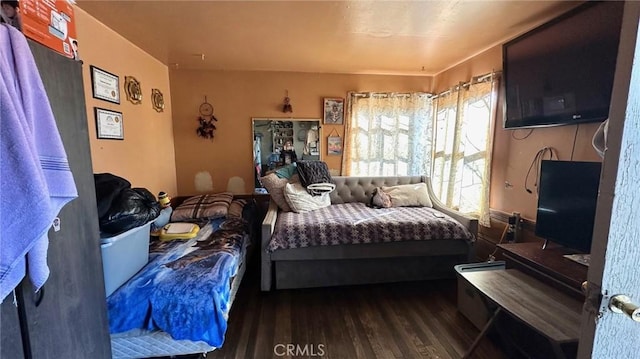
109 124
105 85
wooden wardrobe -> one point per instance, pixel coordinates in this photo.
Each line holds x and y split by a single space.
68 318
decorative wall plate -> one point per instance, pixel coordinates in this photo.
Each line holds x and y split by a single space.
206 109
157 100
133 90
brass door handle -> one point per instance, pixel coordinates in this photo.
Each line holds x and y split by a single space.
622 304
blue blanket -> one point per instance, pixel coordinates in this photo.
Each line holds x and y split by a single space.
184 290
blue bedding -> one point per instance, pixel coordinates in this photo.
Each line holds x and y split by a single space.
184 290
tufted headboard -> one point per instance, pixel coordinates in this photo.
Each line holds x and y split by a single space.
359 189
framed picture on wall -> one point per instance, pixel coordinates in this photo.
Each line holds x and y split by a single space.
334 145
105 85
333 111
109 124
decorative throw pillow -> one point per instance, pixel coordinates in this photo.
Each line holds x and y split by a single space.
409 195
203 206
380 199
275 187
301 201
311 172
236 207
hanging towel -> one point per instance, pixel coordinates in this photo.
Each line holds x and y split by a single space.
35 179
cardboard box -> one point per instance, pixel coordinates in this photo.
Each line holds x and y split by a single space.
49 22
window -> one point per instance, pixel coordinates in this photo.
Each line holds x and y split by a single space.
388 134
448 137
462 143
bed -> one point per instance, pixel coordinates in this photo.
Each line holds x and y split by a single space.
179 302
349 242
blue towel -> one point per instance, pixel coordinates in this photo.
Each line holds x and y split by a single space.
35 178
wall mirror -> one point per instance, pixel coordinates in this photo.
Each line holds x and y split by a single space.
278 142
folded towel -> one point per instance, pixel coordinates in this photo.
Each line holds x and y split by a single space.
35 177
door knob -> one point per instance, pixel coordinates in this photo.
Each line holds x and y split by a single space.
622 304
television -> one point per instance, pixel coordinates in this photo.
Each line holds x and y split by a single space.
561 73
567 197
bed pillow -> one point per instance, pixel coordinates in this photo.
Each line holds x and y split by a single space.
380 199
409 195
236 207
301 201
207 206
311 172
275 187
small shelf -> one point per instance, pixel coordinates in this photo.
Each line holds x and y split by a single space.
282 133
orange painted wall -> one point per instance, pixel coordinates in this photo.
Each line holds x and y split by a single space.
239 96
146 155
512 157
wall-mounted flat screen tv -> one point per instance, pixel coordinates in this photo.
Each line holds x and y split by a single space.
561 73
567 198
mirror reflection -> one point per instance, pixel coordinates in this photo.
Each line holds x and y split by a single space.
279 142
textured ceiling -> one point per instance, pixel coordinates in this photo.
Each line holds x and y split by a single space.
365 37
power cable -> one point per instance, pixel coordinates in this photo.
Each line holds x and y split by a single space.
513 135
537 162
575 136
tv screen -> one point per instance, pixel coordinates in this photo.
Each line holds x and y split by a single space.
567 196
562 72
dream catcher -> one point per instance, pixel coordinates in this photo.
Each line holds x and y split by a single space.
206 120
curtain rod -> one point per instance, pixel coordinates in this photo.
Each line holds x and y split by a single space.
391 94
474 80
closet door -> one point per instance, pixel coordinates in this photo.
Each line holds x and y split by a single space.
68 319
10 338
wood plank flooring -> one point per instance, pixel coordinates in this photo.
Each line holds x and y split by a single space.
400 320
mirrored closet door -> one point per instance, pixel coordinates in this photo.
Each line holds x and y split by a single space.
278 142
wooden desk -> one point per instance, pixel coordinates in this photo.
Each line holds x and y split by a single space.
548 265
551 313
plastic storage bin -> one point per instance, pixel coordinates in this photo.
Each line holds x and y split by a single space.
470 304
124 255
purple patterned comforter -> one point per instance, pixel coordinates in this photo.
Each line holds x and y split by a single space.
353 223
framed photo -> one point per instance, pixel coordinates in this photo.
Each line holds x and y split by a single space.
105 85
334 145
333 111
109 124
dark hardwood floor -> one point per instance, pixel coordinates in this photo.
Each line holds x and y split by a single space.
400 320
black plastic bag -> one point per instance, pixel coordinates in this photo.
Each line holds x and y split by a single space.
133 207
108 188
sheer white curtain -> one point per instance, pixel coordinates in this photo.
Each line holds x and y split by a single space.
388 134
462 146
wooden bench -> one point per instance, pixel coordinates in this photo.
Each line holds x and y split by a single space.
549 312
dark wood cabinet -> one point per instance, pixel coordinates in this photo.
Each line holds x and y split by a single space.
67 319
10 337
548 265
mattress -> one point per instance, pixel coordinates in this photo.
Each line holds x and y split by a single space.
356 223
140 343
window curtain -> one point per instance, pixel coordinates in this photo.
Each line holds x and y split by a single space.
462 146
388 134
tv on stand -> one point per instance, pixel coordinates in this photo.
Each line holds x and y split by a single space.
567 198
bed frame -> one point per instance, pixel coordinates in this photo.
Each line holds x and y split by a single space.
322 266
